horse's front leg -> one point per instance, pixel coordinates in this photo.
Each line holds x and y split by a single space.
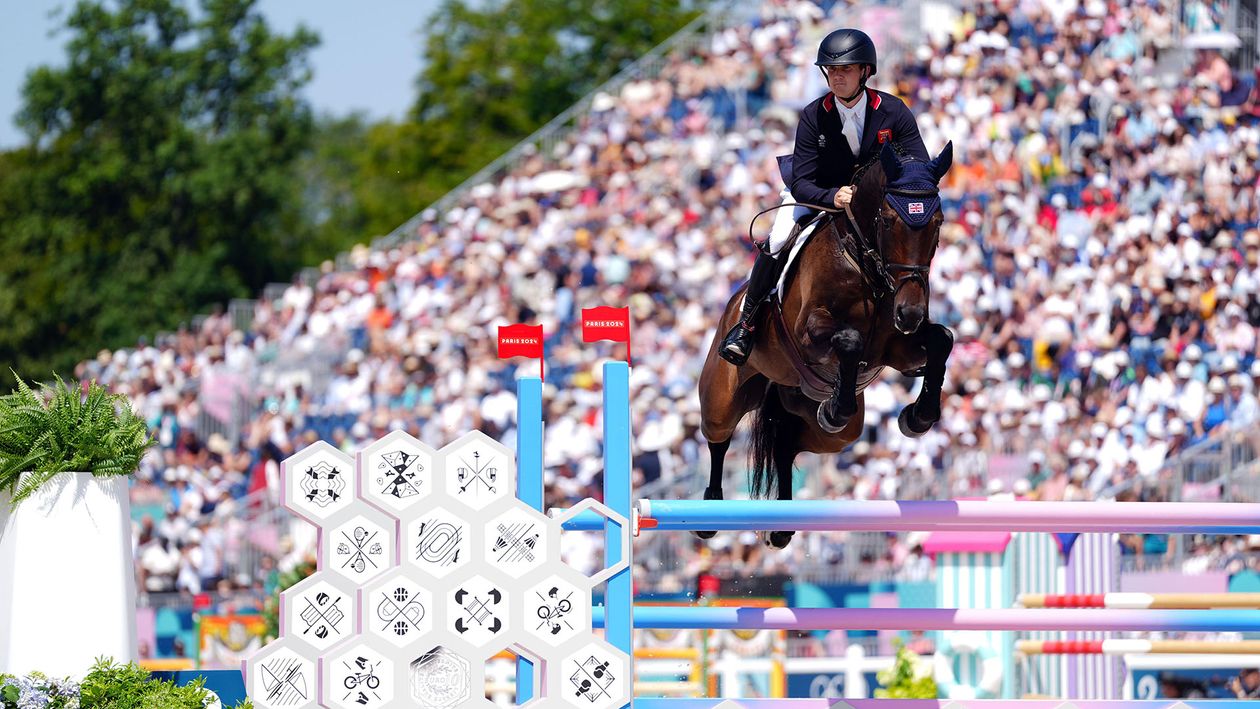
835 412
929 347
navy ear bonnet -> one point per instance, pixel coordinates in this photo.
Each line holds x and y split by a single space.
918 178
918 210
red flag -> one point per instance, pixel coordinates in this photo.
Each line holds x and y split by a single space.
522 341
606 323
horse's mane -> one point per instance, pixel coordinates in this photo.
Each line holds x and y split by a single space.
869 179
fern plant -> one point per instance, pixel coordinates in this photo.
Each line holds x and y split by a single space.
61 429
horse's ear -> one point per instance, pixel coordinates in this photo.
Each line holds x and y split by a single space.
892 164
942 163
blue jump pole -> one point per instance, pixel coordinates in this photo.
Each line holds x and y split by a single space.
619 599
529 488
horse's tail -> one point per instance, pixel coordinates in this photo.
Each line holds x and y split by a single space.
763 481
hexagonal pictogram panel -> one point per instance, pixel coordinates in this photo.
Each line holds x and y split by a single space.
360 548
396 472
583 549
440 678
437 542
477 471
318 482
478 611
398 608
280 676
558 609
317 612
597 676
518 541
501 668
356 677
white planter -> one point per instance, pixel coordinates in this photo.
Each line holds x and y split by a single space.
67 581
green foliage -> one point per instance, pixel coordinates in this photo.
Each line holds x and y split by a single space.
271 607
108 685
63 429
172 165
158 178
910 677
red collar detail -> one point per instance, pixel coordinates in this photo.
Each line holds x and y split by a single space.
829 101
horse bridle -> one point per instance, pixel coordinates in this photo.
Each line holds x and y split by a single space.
906 272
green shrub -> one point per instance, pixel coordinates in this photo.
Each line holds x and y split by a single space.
108 685
909 677
61 429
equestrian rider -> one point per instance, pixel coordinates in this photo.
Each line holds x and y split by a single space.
837 133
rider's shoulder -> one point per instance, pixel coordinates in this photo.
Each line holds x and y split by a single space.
887 101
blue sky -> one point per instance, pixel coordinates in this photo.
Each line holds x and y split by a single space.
368 59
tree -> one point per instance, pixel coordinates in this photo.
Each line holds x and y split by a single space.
158 178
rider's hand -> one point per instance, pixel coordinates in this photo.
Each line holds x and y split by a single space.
844 196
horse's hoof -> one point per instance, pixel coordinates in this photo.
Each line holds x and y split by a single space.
709 494
825 422
912 426
777 540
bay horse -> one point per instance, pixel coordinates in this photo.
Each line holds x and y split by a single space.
855 301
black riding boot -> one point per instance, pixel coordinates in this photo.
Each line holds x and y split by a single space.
738 344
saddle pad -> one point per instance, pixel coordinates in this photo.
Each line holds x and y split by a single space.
786 271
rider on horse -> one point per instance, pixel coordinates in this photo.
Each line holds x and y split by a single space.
837 133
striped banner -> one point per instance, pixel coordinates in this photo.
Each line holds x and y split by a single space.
1093 567
977 580
1039 568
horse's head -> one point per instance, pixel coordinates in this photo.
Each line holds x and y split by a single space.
907 227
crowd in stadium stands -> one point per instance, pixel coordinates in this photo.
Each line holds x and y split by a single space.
1100 267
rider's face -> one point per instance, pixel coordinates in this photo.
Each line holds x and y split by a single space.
844 80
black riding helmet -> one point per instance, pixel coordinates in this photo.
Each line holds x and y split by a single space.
847 46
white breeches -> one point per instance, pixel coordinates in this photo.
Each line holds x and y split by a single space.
784 221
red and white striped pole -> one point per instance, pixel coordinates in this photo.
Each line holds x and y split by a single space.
1185 601
1137 647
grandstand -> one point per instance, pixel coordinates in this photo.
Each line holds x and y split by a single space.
1100 267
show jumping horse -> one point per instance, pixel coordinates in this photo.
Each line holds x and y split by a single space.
856 301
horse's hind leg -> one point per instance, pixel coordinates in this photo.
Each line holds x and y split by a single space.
717 456
919 417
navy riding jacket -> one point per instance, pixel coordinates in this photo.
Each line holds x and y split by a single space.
822 161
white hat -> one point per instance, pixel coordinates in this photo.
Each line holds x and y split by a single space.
1184 370
1216 385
